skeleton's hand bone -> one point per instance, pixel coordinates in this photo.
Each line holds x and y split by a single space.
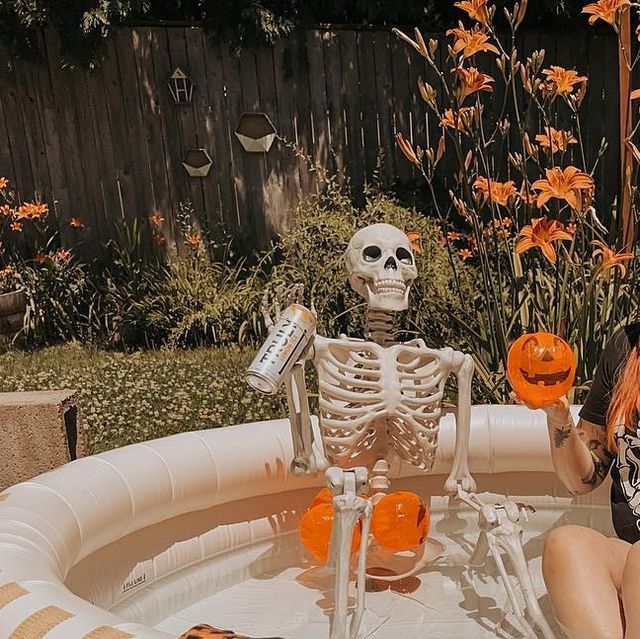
282 299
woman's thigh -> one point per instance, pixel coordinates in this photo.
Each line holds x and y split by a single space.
583 572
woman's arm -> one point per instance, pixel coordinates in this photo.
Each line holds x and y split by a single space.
578 452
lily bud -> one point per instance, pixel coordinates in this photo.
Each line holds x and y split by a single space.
521 12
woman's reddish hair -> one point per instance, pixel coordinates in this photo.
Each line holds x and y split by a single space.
625 401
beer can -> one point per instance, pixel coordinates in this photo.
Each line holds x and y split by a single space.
287 341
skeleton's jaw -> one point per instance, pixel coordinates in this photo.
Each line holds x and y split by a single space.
387 295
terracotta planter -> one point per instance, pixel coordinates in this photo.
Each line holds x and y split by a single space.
12 309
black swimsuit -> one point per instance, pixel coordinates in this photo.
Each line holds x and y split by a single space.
625 469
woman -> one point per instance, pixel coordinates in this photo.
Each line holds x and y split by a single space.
593 580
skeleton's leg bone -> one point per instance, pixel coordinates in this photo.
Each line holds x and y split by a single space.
349 508
356 620
481 550
495 551
511 542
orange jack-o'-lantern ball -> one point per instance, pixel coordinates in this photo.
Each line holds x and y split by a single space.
323 497
316 524
400 521
541 368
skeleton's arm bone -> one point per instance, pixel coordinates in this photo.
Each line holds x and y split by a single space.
304 459
463 368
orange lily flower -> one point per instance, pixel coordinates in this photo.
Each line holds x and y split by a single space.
555 140
470 42
610 259
62 254
566 184
156 219
6 210
192 239
4 182
495 192
459 120
159 239
606 10
472 81
465 254
76 223
32 211
41 258
560 81
542 233
414 240
475 9
16 226
454 236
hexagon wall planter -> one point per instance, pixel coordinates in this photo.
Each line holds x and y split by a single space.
255 132
197 162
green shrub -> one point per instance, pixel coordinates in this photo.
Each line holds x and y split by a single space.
196 302
59 302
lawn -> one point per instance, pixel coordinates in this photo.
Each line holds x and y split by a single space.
132 397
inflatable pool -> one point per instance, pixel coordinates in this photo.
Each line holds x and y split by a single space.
149 540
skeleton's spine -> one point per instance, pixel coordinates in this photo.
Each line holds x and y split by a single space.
380 327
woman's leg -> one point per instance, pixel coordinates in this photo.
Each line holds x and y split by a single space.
583 572
631 592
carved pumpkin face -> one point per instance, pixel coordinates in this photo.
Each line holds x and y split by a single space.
541 368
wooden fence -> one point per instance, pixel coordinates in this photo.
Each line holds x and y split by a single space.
108 145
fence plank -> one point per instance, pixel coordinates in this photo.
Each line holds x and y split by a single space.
159 164
352 99
217 120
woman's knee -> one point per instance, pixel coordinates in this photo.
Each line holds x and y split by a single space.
567 544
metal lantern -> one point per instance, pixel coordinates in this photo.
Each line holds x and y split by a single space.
180 86
197 162
255 132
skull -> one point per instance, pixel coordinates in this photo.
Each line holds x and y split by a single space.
381 266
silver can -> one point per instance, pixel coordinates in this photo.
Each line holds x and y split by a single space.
287 341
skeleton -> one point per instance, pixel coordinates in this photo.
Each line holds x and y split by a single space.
379 398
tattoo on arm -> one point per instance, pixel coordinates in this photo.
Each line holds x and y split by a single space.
600 471
561 434
593 437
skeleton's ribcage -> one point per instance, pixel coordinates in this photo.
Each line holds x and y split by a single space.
372 398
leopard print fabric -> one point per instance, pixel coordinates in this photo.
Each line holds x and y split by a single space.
204 631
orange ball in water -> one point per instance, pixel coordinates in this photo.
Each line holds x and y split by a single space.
541 368
400 521
315 531
323 497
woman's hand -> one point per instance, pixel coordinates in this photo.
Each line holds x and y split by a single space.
557 413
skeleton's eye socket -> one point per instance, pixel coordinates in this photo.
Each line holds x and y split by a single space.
404 255
371 253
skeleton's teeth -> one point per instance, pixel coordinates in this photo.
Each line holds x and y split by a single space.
390 287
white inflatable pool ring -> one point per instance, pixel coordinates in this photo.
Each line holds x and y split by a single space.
120 544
